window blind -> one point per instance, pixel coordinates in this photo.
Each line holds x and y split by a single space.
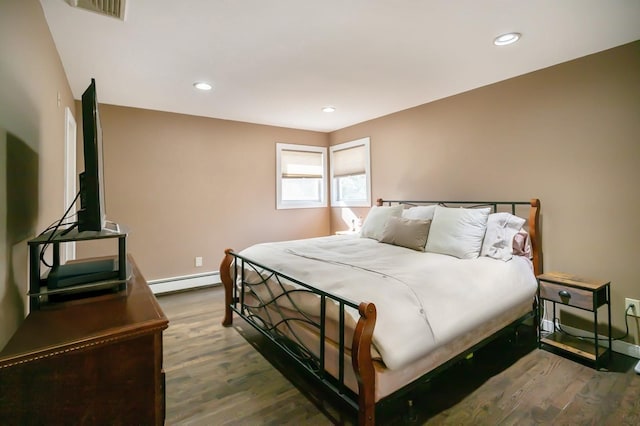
300 164
349 161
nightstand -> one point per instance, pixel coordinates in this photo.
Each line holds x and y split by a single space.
581 293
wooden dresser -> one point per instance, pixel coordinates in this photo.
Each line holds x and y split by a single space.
96 360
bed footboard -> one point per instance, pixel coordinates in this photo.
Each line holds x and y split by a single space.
363 364
227 281
271 302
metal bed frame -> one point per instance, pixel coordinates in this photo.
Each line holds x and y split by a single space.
278 326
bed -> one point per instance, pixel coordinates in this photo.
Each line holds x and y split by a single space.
370 315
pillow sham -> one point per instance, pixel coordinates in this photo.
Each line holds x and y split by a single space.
409 233
498 240
373 225
457 231
419 212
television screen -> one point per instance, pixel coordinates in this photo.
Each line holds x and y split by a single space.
91 216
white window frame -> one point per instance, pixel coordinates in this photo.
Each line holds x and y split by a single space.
335 202
301 204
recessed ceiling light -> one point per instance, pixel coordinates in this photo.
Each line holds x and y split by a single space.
328 108
201 85
508 38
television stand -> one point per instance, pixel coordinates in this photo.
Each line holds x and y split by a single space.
78 277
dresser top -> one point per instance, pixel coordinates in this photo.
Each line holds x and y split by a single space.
94 321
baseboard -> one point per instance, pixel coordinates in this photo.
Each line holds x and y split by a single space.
185 282
619 346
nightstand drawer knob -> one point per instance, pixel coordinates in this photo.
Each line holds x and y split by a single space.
564 294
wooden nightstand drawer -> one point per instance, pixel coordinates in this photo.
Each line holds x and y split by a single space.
572 290
567 295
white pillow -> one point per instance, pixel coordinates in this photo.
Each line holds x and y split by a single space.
374 223
498 240
457 231
419 212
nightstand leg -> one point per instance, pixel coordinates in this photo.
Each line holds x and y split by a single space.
595 331
609 315
539 310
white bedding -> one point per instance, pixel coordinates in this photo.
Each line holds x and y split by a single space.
423 300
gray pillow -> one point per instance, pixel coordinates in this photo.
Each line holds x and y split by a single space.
407 233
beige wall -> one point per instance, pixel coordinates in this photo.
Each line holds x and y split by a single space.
569 135
32 122
191 186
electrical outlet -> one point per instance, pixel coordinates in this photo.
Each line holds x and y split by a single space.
198 261
635 310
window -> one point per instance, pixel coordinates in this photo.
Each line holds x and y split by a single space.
350 174
301 175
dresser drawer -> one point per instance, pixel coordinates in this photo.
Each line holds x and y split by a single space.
567 295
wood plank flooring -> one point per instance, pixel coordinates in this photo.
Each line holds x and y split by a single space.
216 376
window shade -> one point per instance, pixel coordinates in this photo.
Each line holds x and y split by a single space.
349 161
301 164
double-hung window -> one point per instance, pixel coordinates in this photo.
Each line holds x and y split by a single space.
351 174
301 176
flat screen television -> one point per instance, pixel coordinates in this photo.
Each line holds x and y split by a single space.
92 215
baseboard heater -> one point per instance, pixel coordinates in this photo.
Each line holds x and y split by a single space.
187 282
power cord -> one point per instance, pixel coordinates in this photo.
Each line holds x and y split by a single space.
54 229
558 327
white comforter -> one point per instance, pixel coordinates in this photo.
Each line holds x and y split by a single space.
423 300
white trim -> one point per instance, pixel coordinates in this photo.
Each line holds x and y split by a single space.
334 192
283 204
617 345
70 130
185 282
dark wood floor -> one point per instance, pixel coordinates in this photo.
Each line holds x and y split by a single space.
215 376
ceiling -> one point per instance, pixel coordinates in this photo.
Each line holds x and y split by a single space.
278 62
